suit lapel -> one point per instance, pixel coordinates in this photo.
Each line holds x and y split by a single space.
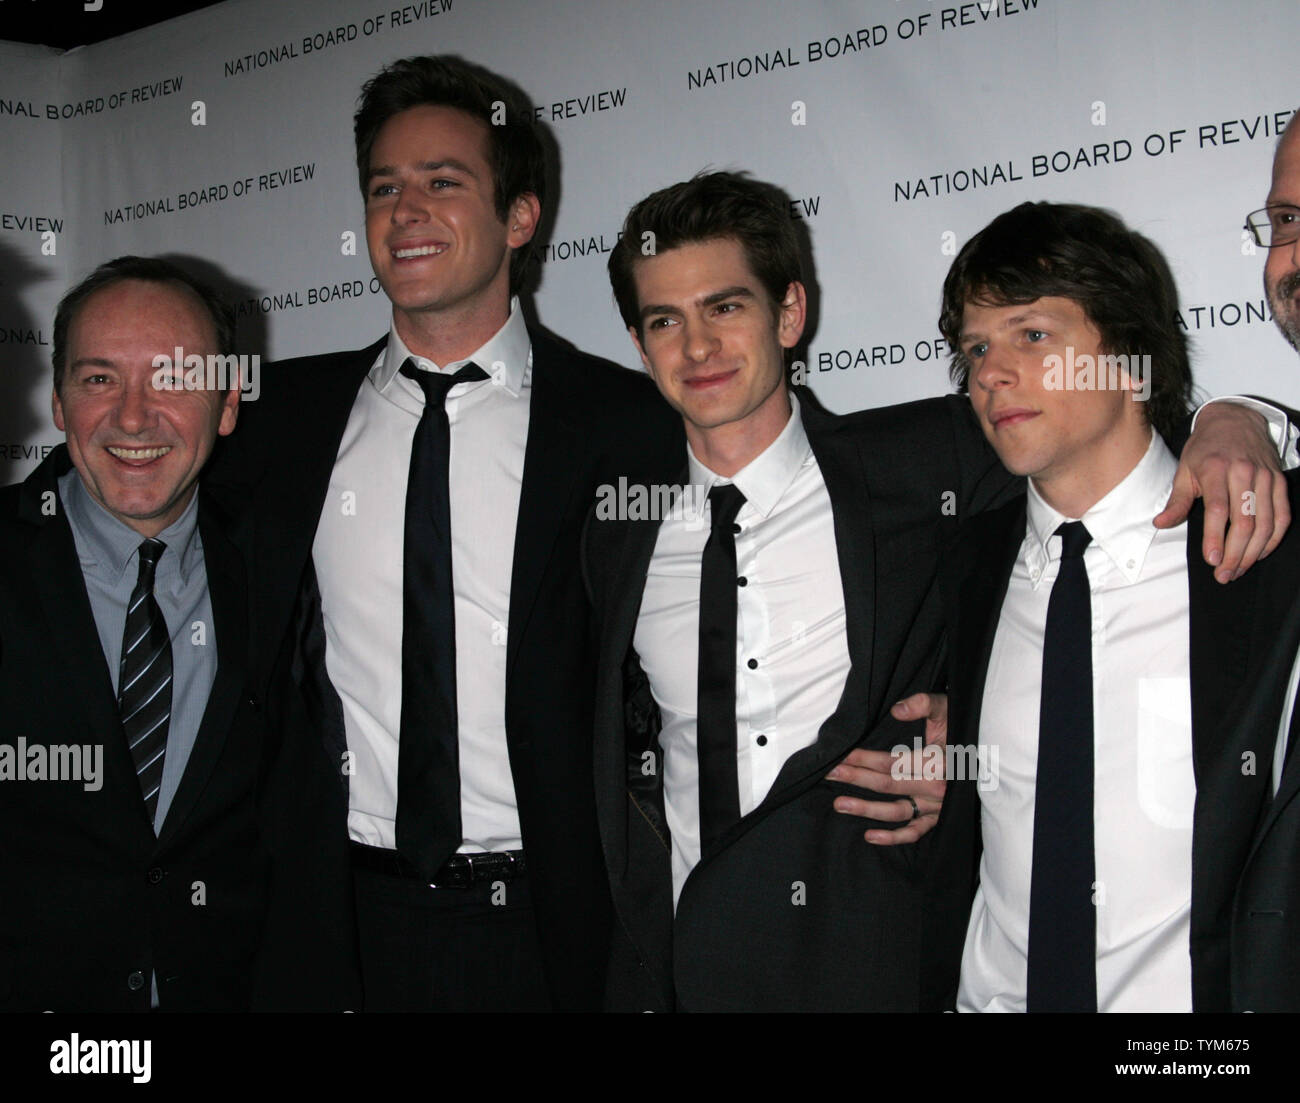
227 590
642 888
973 596
843 472
289 507
1268 702
549 480
974 573
56 570
618 633
1286 792
1221 619
1226 706
334 398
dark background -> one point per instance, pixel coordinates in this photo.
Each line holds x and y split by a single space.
64 24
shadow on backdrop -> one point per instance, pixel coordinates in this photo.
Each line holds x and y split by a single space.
26 369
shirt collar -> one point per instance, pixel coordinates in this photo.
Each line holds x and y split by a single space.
111 545
1120 524
769 474
506 356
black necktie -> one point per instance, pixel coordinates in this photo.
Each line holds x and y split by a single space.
716 706
1062 973
428 758
144 679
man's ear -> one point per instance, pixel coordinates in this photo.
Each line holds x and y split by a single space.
525 212
229 412
792 315
56 406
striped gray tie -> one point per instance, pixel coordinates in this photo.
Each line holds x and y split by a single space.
144 695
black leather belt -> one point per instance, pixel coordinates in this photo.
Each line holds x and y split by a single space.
458 872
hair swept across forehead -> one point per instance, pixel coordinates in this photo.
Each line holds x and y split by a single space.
1117 276
711 206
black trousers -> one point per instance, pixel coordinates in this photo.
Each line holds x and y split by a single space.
447 949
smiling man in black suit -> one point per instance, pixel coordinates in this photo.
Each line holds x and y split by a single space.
764 627
432 505
134 871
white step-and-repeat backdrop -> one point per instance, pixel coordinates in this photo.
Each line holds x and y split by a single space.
898 127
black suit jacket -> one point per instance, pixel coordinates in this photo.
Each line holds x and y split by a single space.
90 900
898 479
1233 629
590 421
1265 946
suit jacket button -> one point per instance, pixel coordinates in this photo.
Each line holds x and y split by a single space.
155 875
135 981
255 704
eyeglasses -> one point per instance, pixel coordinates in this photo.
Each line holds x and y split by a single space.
1275 225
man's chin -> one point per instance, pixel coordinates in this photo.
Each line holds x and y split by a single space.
710 416
1017 463
146 510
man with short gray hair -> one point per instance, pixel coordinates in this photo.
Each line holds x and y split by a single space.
134 872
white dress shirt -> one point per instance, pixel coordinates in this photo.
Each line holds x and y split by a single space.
792 656
358 555
1144 786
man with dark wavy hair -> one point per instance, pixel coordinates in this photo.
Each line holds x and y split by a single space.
1093 658
1118 278
433 502
764 643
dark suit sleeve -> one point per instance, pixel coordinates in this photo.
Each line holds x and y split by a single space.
308 959
584 555
952 874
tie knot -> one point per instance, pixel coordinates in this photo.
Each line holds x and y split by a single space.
724 504
435 385
150 552
1074 538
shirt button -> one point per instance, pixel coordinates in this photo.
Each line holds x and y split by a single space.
135 981
761 741
1132 563
752 664
742 581
154 875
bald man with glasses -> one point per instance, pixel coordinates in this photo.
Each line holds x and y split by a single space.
1265 949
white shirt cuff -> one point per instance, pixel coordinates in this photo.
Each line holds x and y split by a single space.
1285 436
